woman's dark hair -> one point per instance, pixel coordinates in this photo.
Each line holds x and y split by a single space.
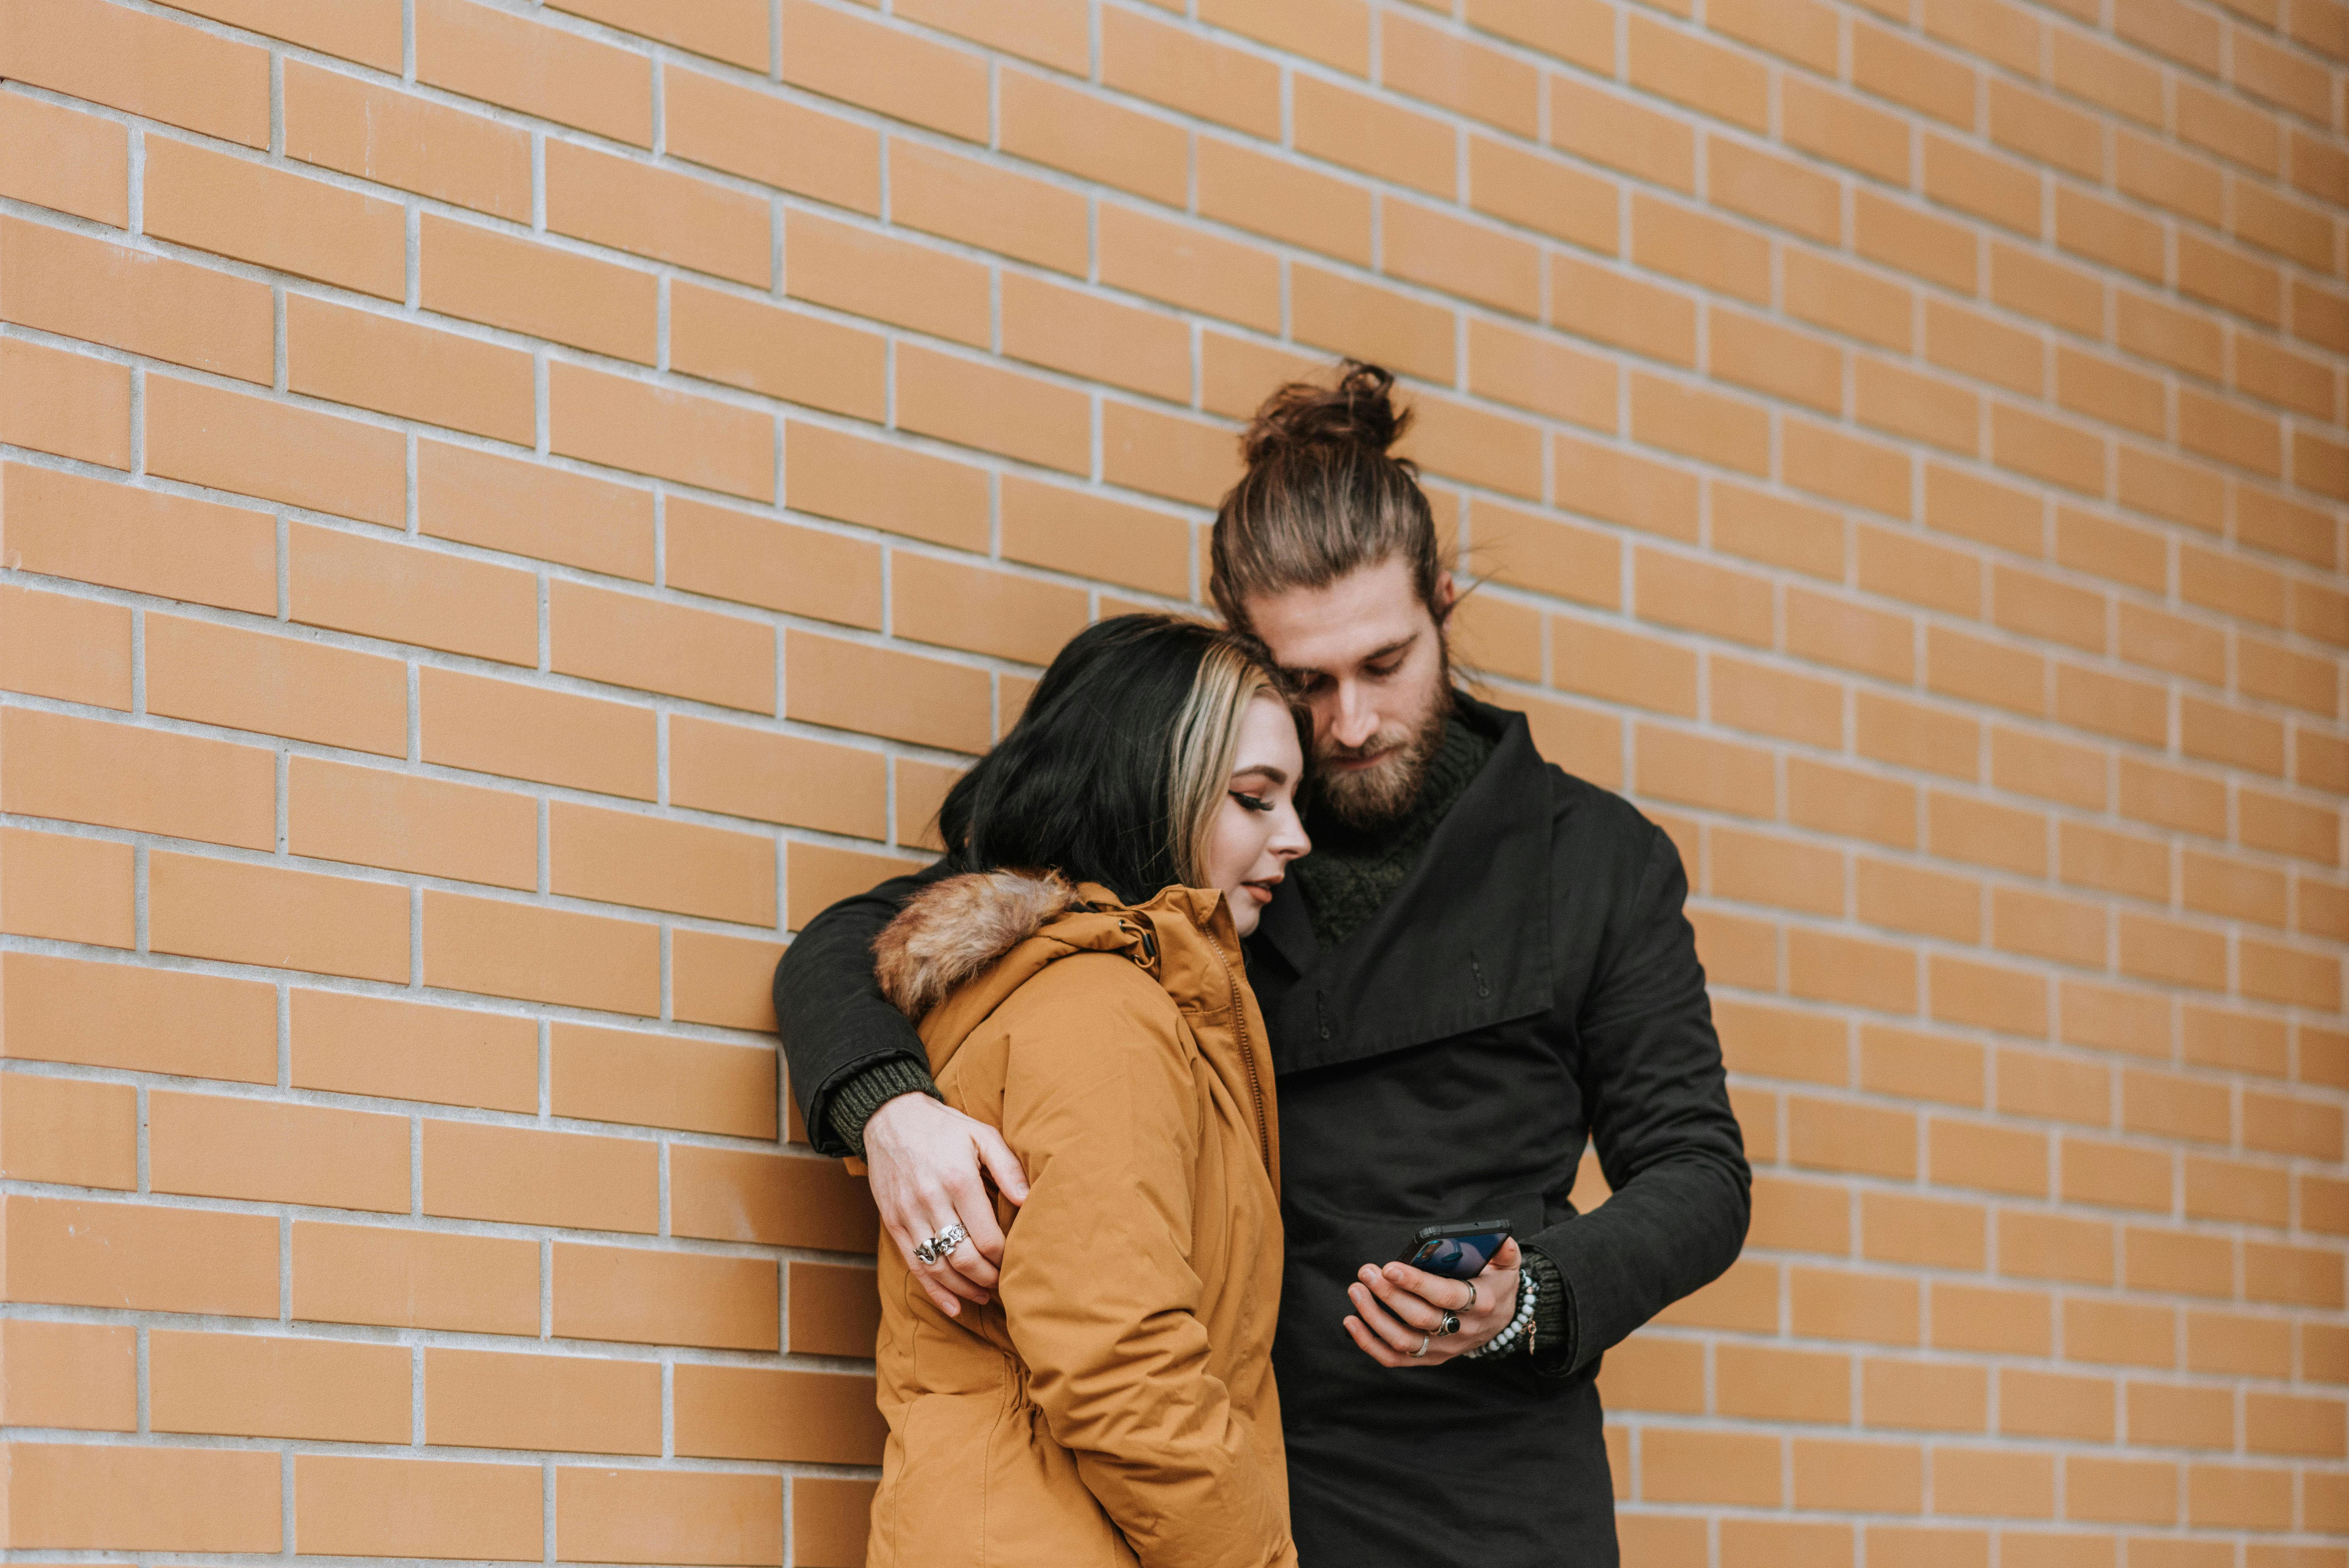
1117 764
1322 496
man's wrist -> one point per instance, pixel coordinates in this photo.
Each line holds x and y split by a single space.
1553 1337
852 1103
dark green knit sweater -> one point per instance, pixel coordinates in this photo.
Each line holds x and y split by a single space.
1351 873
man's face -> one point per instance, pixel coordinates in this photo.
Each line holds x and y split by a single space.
1369 659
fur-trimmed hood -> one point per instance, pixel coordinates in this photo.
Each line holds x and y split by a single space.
953 930
965 945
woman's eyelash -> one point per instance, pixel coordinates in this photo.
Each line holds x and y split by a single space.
1252 802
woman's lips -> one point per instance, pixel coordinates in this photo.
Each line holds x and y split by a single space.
1263 888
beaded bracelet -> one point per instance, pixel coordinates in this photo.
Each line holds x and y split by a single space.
1520 1325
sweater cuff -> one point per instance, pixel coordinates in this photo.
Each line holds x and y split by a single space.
1552 1336
854 1102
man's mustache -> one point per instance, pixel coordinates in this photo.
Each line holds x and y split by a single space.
1385 741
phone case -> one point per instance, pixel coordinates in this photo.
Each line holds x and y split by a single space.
1457 1251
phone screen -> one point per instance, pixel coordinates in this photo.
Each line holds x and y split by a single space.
1456 1257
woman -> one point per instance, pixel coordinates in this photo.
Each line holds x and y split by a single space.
1079 988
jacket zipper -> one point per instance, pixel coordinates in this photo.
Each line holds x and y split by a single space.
1248 1053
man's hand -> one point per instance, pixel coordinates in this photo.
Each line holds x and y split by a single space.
925 1160
1401 1307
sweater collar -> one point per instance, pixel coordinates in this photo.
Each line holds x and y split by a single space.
1351 871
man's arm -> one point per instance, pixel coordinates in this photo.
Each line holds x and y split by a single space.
1666 1137
864 1085
838 1030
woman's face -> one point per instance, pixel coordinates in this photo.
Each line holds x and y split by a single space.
1256 831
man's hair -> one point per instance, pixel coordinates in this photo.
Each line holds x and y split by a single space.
1117 766
1322 496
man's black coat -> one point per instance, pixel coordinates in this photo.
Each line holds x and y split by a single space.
1533 986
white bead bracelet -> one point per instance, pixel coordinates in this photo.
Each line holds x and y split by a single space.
1520 1325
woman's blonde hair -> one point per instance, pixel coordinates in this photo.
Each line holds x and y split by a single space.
1118 762
1204 745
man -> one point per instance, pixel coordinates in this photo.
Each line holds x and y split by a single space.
1482 966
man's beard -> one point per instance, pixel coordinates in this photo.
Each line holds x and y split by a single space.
1369 798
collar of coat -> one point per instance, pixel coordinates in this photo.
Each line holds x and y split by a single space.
1463 945
965 943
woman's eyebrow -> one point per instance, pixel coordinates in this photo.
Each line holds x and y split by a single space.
1266 771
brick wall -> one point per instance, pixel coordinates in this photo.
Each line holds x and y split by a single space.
510 509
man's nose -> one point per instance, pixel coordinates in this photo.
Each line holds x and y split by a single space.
1356 721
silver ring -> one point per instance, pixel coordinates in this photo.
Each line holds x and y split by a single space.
1422 1345
935 1249
1450 1324
1471 1302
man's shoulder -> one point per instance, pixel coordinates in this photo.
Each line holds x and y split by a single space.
1573 794
1592 824
1591 812
1589 824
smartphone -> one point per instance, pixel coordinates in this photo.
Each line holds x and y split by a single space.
1455 1252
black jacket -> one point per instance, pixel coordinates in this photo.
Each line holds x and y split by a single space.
1533 986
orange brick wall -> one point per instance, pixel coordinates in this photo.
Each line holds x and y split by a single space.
508 509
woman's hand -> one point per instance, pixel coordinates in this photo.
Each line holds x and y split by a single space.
1400 1308
925 1159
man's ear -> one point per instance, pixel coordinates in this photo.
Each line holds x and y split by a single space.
1447 593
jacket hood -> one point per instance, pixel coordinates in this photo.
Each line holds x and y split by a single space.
965 944
953 930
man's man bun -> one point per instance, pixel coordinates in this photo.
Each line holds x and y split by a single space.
1359 411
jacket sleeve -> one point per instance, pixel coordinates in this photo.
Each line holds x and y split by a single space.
1660 1119
1097 1286
833 1021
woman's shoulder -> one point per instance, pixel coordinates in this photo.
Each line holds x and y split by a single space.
1096 993
956 929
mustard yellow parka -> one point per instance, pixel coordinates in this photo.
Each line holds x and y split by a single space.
1115 1403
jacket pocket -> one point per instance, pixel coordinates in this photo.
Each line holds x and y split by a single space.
978 1483
1040 1509
932 1505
